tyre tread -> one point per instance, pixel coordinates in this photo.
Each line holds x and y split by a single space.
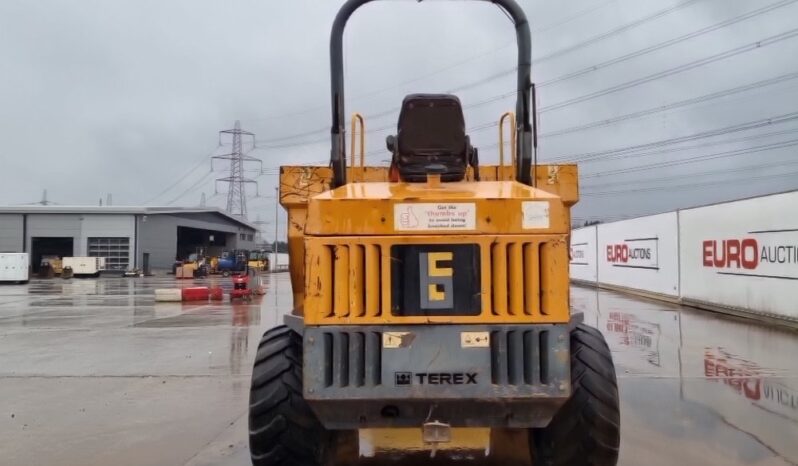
283 431
586 430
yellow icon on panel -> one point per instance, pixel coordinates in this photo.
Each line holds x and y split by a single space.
437 292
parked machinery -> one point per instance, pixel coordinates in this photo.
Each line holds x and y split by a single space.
84 266
232 263
433 296
54 263
241 289
259 260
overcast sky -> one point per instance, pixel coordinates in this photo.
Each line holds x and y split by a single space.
127 97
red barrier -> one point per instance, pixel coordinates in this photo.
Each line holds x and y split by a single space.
199 293
217 294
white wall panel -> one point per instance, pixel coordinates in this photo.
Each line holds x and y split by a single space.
743 254
583 254
641 254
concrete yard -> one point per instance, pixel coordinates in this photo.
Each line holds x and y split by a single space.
93 372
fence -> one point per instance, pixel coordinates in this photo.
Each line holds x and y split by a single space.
739 257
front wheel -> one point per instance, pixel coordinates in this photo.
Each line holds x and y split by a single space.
283 431
586 430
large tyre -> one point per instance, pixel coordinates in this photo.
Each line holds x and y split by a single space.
586 430
283 431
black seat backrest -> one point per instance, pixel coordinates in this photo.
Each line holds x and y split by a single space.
431 138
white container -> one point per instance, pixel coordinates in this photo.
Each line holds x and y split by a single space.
14 267
168 295
85 265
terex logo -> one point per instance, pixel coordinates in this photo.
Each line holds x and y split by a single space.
436 378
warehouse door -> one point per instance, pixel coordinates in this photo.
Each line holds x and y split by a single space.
47 246
116 251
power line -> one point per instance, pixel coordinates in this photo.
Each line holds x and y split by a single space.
614 32
647 112
700 158
537 61
668 43
688 186
191 188
476 57
270 143
573 17
605 122
761 123
674 105
177 181
746 168
676 70
693 147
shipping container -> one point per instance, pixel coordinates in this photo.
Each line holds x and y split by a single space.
85 265
14 267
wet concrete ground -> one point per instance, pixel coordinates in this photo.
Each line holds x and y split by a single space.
93 372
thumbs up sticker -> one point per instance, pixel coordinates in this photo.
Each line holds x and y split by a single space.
455 216
408 220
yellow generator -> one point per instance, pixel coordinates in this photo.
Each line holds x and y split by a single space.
431 299
258 261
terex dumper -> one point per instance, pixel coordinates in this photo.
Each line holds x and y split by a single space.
432 295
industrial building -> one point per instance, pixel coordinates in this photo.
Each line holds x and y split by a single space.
128 237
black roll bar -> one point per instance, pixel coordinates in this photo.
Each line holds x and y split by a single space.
525 128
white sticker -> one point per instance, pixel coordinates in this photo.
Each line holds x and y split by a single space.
474 339
409 217
536 215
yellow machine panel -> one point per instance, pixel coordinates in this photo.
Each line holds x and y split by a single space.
349 279
521 231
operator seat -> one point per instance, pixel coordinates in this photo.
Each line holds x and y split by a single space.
431 139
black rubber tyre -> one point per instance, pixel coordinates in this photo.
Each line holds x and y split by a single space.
283 431
586 430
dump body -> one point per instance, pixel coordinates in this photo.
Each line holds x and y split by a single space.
371 198
432 294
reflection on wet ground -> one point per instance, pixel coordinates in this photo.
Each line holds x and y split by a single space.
698 388
94 372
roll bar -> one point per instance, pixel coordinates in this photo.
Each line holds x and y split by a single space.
524 107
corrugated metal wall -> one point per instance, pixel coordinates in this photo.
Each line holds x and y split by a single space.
158 235
11 233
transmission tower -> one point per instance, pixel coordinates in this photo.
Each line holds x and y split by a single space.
236 181
44 200
259 233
